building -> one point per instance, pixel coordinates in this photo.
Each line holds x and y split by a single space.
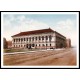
39 39
68 43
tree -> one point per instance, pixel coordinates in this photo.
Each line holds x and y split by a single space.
5 45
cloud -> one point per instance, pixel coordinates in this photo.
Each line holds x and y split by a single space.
68 29
14 24
66 26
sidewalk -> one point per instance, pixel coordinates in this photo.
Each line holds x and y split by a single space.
32 51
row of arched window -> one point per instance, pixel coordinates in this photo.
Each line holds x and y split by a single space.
33 38
33 45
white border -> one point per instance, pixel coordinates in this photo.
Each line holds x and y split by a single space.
40 13
2 66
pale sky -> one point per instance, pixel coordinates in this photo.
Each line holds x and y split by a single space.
65 24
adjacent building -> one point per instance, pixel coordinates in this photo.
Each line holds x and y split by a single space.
39 39
68 43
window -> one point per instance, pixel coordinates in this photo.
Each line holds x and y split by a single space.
14 40
46 44
19 39
39 38
43 45
36 45
39 44
50 44
32 38
50 37
27 39
42 37
36 38
46 37
24 39
32 45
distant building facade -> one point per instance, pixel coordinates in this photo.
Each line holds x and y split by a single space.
68 43
40 39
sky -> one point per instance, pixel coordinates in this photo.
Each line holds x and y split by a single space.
66 24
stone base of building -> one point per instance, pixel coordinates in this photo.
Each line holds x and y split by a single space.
46 47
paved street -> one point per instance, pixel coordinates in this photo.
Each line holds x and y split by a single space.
49 57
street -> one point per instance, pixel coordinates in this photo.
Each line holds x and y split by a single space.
63 57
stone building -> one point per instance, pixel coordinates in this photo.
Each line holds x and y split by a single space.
40 39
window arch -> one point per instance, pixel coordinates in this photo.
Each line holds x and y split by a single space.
46 37
42 37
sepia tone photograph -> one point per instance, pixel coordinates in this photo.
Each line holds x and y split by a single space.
40 39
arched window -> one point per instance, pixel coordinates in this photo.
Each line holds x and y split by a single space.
14 40
50 37
19 39
32 38
36 38
32 45
27 39
43 45
36 45
24 39
39 38
46 37
42 37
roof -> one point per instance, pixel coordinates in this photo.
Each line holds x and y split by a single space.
33 32
59 34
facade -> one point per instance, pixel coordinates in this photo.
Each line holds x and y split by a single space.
39 39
